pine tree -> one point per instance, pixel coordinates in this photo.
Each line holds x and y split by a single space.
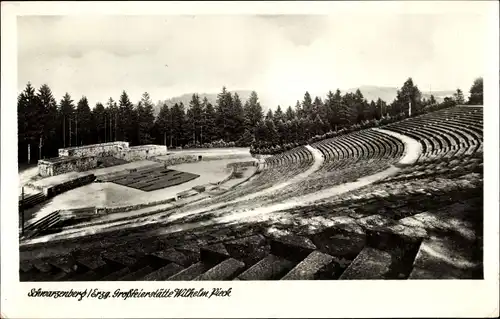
253 113
223 109
459 97
290 114
112 120
99 115
162 125
31 129
307 105
278 115
67 110
83 122
409 93
209 132
180 132
127 124
145 120
236 118
50 140
476 92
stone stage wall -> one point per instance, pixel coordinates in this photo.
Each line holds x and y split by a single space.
61 165
142 152
86 157
103 149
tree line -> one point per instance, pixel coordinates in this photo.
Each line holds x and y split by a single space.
44 125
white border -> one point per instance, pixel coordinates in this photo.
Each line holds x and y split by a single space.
465 298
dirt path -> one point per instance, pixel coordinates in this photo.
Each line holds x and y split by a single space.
412 152
413 149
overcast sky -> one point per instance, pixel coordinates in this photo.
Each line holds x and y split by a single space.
278 56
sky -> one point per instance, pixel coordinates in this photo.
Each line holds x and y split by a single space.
279 56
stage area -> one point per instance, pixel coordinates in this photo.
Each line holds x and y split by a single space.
153 178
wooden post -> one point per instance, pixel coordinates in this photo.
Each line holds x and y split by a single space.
105 133
22 211
29 153
64 130
40 149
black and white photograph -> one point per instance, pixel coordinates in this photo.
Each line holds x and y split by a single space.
251 147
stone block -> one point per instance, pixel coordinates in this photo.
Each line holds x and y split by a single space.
309 267
269 268
223 271
164 273
292 247
369 264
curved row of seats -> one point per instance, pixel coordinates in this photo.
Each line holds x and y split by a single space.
276 169
373 231
446 133
347 158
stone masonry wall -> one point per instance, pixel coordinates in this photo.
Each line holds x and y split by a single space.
103 149
142 152
47 168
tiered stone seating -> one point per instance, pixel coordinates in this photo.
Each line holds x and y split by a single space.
347 158
277 169
446 133
31 200
383 231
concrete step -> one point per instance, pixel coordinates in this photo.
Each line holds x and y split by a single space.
227 269
116 275
309 267
248 249
371 263
90 262
119 259
137 275
271 267
191 272
164 272
343 240
175 256
214 253
450 257
292 247
86 276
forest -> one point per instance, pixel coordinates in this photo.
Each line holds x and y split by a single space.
45 125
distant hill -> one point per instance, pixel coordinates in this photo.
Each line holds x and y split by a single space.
388 94
211 97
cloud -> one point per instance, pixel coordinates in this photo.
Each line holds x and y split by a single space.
279 56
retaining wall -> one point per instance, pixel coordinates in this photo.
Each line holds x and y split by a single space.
68 185
142 152
61 165
103 149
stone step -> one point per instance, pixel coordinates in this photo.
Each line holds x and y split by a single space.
343 240
116 275
309 267
214 253
448 257
223 271
90 262
86 276
43 266
269 268
191 272
120 259
292 247
68 266
138 274
175 256
164 272
248 249
371 263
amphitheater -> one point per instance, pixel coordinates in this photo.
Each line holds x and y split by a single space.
402 201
